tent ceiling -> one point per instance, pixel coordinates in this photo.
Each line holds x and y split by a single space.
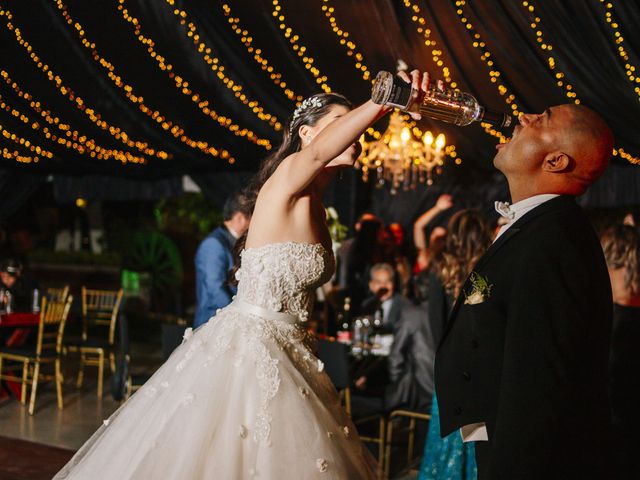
119 76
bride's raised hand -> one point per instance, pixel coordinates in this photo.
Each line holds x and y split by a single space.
419 85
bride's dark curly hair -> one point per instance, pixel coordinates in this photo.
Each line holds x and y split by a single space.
309 113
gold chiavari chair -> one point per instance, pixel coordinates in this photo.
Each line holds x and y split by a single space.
335 355
410 429
57 294
48 349
99 316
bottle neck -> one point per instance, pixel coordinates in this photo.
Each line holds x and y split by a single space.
497 119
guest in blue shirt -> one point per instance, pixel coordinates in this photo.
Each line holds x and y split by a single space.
214 259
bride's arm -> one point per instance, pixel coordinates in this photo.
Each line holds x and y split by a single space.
298 170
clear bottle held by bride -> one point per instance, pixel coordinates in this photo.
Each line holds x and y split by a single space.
447 105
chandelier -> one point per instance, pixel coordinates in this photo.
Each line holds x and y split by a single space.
400 159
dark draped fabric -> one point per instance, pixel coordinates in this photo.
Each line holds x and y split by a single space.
67 188
584 50
15 189
618 187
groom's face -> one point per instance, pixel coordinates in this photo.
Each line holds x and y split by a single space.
537 135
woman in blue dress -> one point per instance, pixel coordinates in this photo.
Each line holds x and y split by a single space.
468 237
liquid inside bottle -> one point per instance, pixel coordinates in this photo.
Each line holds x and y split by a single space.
447 105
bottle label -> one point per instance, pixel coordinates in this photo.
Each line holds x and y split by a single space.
400 94
391 91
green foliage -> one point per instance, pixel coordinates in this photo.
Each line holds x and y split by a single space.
337 230
189 213
480 284
153 252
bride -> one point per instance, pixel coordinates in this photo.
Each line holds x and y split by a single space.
244 396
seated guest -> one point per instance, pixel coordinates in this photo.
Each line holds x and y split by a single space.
15 287
408 373
621 245
10 270
383 299
410 362
214 259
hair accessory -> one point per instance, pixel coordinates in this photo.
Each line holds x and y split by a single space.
307 103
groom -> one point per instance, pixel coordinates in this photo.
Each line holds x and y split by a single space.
522 366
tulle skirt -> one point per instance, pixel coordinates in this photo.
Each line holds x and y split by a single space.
242 397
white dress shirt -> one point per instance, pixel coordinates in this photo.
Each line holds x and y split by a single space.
477 432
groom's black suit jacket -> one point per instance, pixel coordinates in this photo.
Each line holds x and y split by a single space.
531 360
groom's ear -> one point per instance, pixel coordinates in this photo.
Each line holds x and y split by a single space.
557 162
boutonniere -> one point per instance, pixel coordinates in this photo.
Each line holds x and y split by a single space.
481 290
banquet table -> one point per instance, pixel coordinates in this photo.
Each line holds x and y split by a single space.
22 324
19 319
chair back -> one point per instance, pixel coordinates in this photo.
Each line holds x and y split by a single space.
57 294
335 356
53 318
100 309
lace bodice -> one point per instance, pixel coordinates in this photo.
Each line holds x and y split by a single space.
282 277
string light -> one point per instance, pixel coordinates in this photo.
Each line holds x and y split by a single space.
76 100
494 73
421 27
15 155
329 12
84 142
218 68
258 56
546 47
167 125
25 144
627 156
299 50
619 39
182 85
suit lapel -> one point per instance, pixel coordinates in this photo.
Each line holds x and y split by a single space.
394 311
551 205
231 240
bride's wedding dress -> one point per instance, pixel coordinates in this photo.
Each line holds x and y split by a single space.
242 397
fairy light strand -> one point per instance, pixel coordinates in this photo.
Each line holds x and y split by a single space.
25 143
258 55
216 66
422 28
629 68
95 117
80 142
167 125
182 85
299 49
494 73
345 41
546 46
18 157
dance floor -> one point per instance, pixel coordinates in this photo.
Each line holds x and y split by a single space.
21 460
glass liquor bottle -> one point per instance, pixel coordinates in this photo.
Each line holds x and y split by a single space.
447 105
